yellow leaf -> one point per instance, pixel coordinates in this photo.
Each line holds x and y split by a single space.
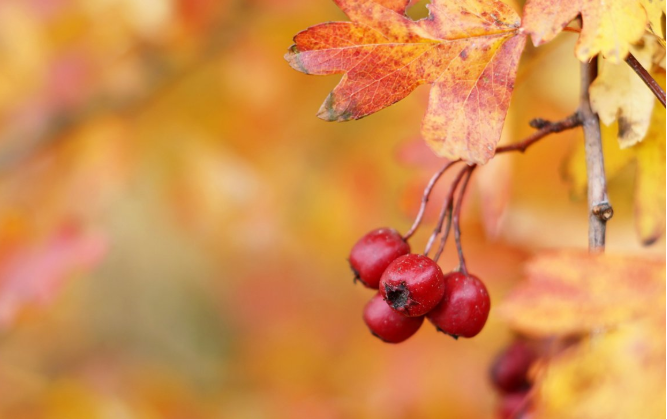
619 94
609 26
619 374
650 184
654 10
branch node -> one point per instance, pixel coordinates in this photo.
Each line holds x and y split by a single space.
603 211
539 123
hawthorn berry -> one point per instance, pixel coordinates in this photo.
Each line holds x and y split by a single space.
464 308
513 406
387 324
412 285
371 255
509 372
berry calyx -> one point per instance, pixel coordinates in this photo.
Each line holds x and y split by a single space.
371 255
387 324
464 308
412 285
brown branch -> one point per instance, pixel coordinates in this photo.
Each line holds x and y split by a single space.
598 204
646 78
425 198
545 128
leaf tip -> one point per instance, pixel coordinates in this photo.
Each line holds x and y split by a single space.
330 112
293 58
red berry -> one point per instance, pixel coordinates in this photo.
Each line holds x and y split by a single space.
514 406
371 255
509 372
412 285
464 308
387 324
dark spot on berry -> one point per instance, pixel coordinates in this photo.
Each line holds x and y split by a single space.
398 297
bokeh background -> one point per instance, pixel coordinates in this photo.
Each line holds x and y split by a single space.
175 221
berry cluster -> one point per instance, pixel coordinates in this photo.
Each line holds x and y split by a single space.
509 376
411 287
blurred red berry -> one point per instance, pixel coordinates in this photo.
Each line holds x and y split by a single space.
509 372
513 406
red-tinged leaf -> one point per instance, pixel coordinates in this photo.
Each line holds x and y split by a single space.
34 274
576 292
609 26
468 51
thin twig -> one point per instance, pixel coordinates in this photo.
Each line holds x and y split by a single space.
545 128
646 78
457 219
598 204
425 198
446 207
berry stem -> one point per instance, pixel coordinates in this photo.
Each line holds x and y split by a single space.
425 198
446 208
646 78
457 218
445 235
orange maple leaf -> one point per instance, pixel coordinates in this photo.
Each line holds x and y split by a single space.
468 50
609 26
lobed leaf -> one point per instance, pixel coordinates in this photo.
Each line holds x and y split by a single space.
468 51
608 28
619 94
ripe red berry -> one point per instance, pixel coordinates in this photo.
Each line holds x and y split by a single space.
514 406
509 372
464 308
371 255
412 285
387 324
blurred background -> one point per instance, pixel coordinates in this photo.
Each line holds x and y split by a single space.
175 221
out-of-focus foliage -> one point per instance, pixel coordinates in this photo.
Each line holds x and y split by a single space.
175 221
